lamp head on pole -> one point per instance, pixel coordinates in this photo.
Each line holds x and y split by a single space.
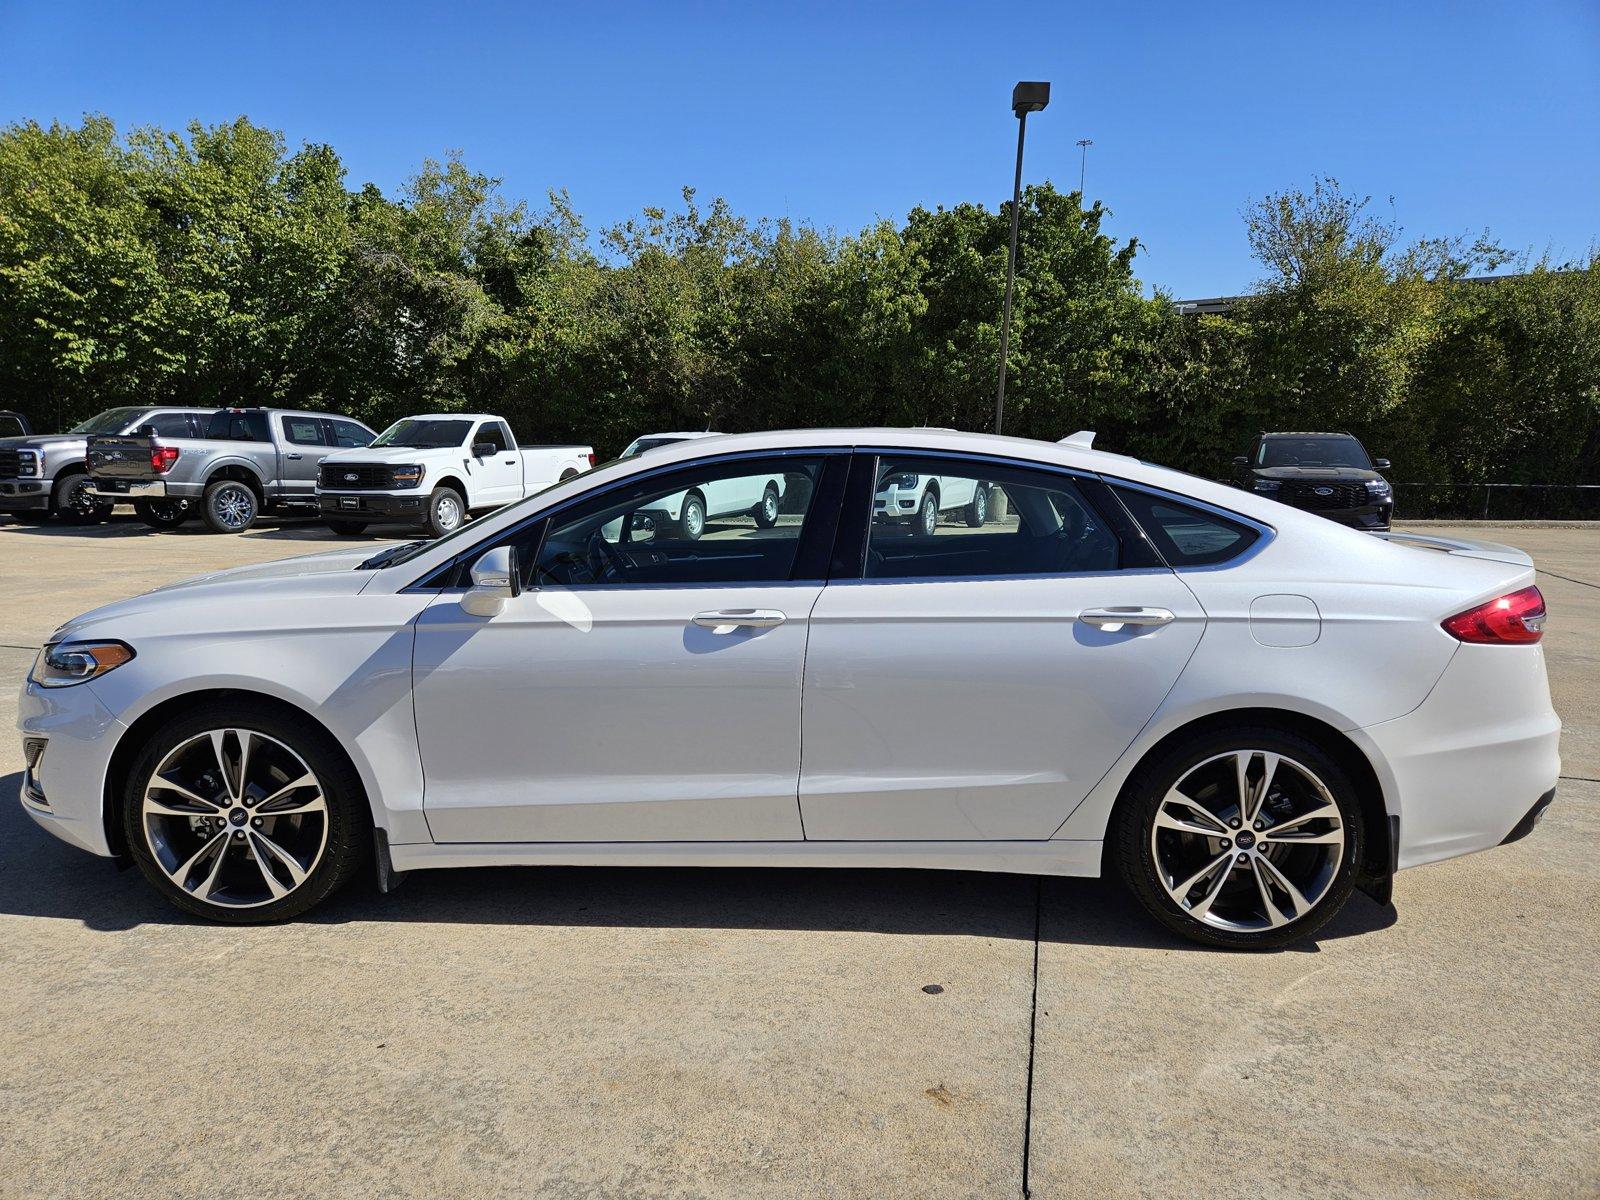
1029 97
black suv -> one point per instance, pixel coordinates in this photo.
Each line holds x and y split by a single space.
1329 474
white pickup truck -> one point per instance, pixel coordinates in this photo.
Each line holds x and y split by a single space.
436 469
919 500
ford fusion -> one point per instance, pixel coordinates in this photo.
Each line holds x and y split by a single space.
1090 665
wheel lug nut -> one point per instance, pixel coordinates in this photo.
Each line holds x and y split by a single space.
1261 824
1234 824
256 822
1226 844
1244 858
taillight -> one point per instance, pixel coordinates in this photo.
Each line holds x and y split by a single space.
591 459
1517 619
162 458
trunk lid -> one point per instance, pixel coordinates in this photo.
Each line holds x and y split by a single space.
1460 547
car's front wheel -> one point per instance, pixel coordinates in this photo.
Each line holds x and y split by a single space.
72 499
446 511
1246 838
766 513
244 814
692 520
927 520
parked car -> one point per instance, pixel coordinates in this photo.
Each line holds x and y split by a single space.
437 469
1241 709
1329 474
919 500
14 424
47 475
246 461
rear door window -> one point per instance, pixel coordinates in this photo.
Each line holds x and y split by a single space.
238 427
303 431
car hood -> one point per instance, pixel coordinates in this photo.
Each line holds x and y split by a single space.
386 454
1312 474
43 441
333 573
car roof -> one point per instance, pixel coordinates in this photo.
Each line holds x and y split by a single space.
684 436
1309 433
451 417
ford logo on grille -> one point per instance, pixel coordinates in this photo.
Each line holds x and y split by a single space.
1318 491
351 477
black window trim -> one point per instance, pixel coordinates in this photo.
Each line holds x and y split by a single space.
812 554
1265 533
850 551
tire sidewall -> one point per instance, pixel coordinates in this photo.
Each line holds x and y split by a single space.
1129 835
349 819
62 494
926 524
694 518
209 502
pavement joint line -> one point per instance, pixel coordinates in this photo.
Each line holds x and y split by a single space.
1033 1031
1568 578
1579 779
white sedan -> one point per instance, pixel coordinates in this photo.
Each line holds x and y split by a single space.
1242 710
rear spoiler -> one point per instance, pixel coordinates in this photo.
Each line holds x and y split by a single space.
1488 551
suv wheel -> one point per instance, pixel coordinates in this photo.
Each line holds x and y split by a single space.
244 814
163 514
1244 838
73 500
230 506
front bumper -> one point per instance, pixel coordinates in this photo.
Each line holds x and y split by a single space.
24 495
66 792
1367 516
372 506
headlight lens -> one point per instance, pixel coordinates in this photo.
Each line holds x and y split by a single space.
63 664
408 476
1268 485
28 463
1379 487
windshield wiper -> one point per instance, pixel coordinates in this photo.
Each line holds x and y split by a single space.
384 556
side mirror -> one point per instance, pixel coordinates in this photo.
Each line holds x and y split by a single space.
1241 460
482 449
641 529
1381 464
495 579
147 431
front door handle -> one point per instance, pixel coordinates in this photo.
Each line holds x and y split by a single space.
728 619
296 457
1117 617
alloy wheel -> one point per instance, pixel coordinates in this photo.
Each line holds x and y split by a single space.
80 498
235 818
234 506
1247 841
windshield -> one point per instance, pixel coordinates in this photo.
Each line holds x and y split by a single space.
1312 452
425 433
640 445
113 420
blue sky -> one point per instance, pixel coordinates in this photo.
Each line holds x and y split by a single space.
1468 115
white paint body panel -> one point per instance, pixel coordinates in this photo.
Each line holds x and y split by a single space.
938 725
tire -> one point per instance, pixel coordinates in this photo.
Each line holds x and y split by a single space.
163 514
72 502
926 522
230 884
229 506
1230 909
766 513
348 528
977 510
692 520
447 511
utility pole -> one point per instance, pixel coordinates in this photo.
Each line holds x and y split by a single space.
1025 98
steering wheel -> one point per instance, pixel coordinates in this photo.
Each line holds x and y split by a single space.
608 563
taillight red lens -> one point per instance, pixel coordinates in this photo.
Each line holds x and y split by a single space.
162 458
591 458
1515 619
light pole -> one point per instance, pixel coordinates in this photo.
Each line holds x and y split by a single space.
1025 98
1083 161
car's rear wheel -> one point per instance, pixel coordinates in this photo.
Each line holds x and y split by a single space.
766 513
1244 838
244 814
692 520
72 499
230 506
446 511
163 514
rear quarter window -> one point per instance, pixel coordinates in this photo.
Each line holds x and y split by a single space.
1185 535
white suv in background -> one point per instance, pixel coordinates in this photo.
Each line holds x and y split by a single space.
752 496
919 499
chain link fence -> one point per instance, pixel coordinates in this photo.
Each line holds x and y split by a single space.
1497 501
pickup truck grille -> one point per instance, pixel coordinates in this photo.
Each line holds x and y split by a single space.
10 463
349 477
1304 494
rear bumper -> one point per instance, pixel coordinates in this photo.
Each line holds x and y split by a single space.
372 506
24 495
1462 769
130 489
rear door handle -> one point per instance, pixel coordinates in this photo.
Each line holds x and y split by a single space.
1116 617
728 619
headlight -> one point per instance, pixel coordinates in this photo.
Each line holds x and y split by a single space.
407 476
1268 485
28 462
1379 487
63 664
